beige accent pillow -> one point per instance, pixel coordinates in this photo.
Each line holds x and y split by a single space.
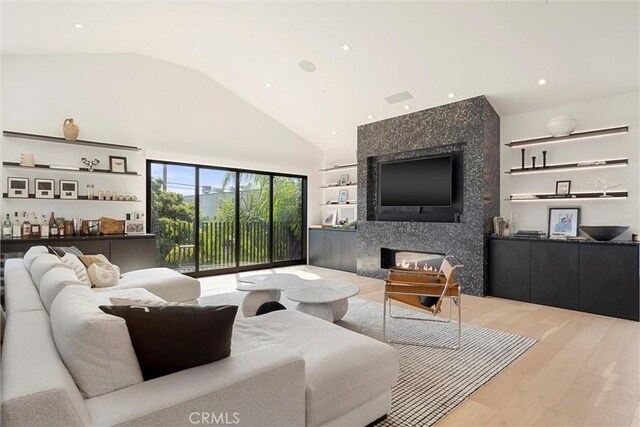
146 302
95 347
87 260
103 275
78 267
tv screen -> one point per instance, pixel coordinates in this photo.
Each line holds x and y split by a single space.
419 182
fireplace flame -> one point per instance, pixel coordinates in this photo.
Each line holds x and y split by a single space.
408 266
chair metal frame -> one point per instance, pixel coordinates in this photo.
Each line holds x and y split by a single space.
437 282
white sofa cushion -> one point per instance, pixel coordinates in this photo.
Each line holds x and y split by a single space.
54 281
133 294
19 293
343 369
167 284
33 253
94 346
78 267
42 264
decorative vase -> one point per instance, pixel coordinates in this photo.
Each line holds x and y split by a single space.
70 130
561 125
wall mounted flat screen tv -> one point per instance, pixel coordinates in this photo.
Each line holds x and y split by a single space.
428 189
421 182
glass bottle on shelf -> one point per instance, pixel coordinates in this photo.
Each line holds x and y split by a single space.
7 228
35 226
53 227
44 227
60 222
90 191
26 226
17 230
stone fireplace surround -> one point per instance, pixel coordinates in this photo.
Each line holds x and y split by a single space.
470 125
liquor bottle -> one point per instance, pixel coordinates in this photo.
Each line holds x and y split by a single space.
53 227
26 226
35 227
61 230
6 228
17 230
44 227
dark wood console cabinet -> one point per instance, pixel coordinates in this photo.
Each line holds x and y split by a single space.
595 277
332 248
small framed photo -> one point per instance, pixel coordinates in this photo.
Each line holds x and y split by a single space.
330 217
117 164
344 179
68 189
134 226
563 187
342 197
44 188
18 188
563 222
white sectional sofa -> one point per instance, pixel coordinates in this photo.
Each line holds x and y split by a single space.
285 369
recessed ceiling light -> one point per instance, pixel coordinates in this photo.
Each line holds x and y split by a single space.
407 107
346 47
333 132
307 66
543 82
452 95
78 25
370 116
268 85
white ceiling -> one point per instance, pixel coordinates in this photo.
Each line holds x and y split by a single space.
585 49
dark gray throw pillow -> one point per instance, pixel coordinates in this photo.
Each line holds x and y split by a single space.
168 339
61 250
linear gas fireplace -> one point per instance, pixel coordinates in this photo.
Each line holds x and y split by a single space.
410 260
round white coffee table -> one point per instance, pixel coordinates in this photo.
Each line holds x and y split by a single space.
325 299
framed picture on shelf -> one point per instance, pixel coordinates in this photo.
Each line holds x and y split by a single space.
344 179
18 188
563 222
342 197
117 164
563 188
134 226
44 188
330 217
68 189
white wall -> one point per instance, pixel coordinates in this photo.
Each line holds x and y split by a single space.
172 112
594 114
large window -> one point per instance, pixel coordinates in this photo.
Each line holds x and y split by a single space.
213 220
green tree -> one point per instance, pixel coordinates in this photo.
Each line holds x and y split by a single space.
170 205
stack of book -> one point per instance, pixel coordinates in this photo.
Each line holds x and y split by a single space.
529 234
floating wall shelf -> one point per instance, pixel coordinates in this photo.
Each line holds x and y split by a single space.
339 186
611 195
45 138
339 204
82 170
340 167
57 197
573 137
569 166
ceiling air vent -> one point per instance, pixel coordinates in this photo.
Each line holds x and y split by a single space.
399 97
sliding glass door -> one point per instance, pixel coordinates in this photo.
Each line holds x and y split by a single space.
210 220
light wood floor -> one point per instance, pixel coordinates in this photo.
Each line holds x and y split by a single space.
585 369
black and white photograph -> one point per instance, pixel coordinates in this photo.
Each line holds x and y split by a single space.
18 188
68 189
134 226
330 217
563 188
44 188
117 164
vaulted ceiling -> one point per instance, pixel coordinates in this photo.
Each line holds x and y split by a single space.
431 49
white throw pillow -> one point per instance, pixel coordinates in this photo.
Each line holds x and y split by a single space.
103 275
33 253
42 264
147 301
54 281
78 267
94 346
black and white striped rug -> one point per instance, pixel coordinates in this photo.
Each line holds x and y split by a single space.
432 381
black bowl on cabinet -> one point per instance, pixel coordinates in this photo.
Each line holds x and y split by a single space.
603 233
